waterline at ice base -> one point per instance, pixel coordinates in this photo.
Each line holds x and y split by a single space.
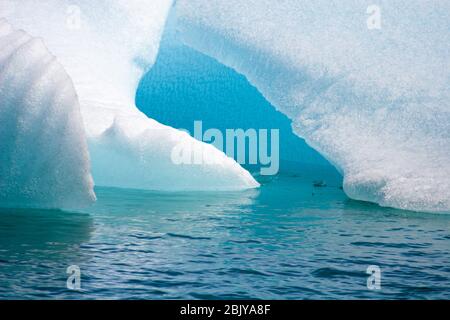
374 102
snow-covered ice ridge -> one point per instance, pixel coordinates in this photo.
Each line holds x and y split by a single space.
376 103
43 151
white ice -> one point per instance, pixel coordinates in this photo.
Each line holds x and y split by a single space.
106 47
44 158
375 102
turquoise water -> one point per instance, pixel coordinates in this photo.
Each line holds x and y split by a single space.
287 240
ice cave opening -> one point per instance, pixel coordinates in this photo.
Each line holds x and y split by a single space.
185 87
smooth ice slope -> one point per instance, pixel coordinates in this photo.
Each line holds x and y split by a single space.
106 46
43 152
374 102
136 152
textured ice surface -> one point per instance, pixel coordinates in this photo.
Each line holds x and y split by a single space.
106 46
374 102
43 152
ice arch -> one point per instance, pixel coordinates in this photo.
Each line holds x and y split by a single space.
185 85
375 103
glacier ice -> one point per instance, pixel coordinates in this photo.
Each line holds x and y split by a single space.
44 159
106 46
373 102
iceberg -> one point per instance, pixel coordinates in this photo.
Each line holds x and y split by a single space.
373 101
106 47
44 159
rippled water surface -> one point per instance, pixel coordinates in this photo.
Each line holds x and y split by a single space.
287 240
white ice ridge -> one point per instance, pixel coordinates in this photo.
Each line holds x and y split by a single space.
106 46
44 158
374 101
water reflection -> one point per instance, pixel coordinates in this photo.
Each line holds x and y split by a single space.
32 229
36 247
